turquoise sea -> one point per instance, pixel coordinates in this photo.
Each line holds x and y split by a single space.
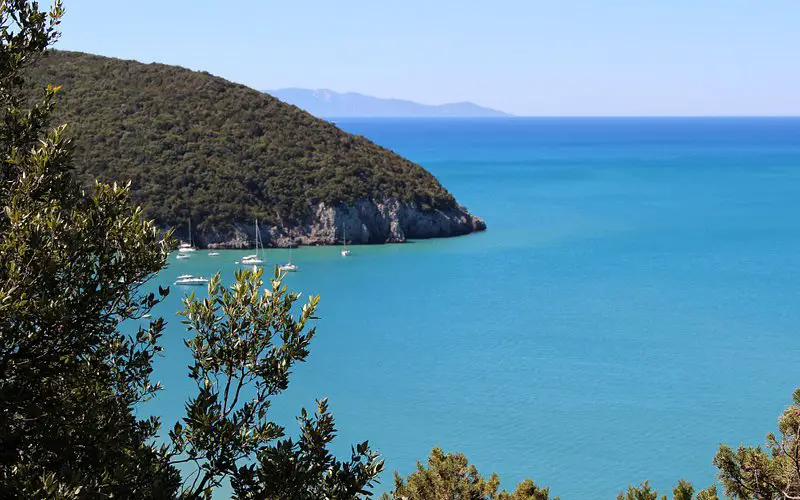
632 305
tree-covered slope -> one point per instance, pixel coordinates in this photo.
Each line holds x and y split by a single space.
197 145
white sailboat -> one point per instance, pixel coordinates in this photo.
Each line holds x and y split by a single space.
255 258
213 254
345 251
189 280
289 267
187 247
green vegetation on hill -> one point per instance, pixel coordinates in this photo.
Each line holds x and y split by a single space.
197 145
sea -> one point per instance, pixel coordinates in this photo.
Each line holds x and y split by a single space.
632 305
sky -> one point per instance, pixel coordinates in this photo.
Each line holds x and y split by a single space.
526 57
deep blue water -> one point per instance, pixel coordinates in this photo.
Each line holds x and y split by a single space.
632 305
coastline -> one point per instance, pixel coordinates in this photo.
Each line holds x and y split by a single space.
365 222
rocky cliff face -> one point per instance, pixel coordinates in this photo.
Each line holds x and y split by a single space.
365 222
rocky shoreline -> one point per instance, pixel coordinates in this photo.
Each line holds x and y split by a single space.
364 222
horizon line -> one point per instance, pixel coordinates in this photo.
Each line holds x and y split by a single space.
512 116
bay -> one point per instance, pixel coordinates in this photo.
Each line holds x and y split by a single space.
631 306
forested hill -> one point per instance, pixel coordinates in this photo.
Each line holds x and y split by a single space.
197 145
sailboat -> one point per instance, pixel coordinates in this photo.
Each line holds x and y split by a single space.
189 280
255 258
187 247
289 267
345 251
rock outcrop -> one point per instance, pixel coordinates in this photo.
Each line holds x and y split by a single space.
364 222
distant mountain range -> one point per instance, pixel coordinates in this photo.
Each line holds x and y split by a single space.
327 103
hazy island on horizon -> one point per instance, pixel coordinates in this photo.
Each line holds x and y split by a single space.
324 103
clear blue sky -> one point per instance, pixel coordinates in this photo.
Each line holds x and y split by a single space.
528 57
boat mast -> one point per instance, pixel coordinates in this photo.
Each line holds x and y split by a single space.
258 241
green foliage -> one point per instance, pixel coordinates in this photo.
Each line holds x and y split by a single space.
197 145
527 490
71 265
450 476
305 469
683 491
245 344
642 492
709 493
753 473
